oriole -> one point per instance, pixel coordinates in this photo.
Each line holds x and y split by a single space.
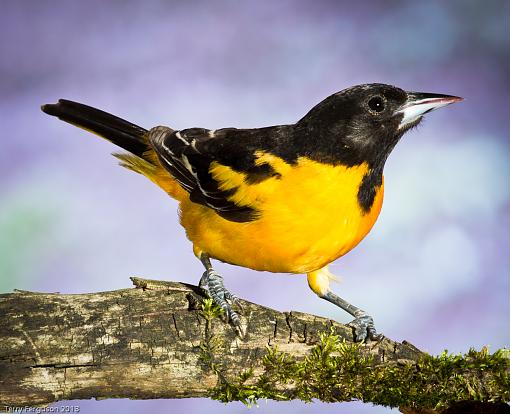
287 198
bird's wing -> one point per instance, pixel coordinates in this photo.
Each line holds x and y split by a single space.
188 155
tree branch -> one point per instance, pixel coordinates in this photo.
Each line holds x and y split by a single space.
163 340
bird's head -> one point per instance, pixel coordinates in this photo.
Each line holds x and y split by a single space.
364 122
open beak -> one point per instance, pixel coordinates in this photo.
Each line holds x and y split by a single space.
418 104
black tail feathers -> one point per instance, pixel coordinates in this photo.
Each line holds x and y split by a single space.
122 133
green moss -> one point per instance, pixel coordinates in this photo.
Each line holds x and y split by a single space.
338 371
210 310
211 345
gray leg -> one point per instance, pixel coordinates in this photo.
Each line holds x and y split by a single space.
212 282
362 325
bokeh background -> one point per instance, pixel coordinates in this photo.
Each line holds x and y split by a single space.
435 270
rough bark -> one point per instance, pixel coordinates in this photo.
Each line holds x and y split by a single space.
144 343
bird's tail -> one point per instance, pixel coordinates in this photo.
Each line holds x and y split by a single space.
122 133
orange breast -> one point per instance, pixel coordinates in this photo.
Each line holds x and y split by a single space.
310 216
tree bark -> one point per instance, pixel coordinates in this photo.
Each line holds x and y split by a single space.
146 343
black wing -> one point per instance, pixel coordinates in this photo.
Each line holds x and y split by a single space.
188 154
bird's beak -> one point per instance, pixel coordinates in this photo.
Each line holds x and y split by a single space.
418 104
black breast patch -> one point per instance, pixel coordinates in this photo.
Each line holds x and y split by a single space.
368 188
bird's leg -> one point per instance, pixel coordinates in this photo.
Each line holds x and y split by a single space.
363 324
212 282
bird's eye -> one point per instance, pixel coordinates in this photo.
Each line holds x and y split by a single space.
376 104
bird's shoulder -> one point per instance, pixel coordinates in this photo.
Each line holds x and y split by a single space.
189 155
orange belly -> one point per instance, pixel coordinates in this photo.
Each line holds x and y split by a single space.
310 216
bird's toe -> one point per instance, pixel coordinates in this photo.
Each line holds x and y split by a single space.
212 282
364 329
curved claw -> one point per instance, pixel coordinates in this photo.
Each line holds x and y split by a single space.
233 299
363 328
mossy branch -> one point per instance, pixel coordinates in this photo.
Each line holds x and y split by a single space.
165 340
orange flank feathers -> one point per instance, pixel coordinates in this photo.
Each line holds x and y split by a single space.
150 167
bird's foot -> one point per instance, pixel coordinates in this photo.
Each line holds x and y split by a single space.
363 327
212 283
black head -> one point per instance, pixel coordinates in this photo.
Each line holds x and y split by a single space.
363 123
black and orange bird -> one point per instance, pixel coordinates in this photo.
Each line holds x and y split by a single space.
286 198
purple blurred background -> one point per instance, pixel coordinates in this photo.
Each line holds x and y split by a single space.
435 268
